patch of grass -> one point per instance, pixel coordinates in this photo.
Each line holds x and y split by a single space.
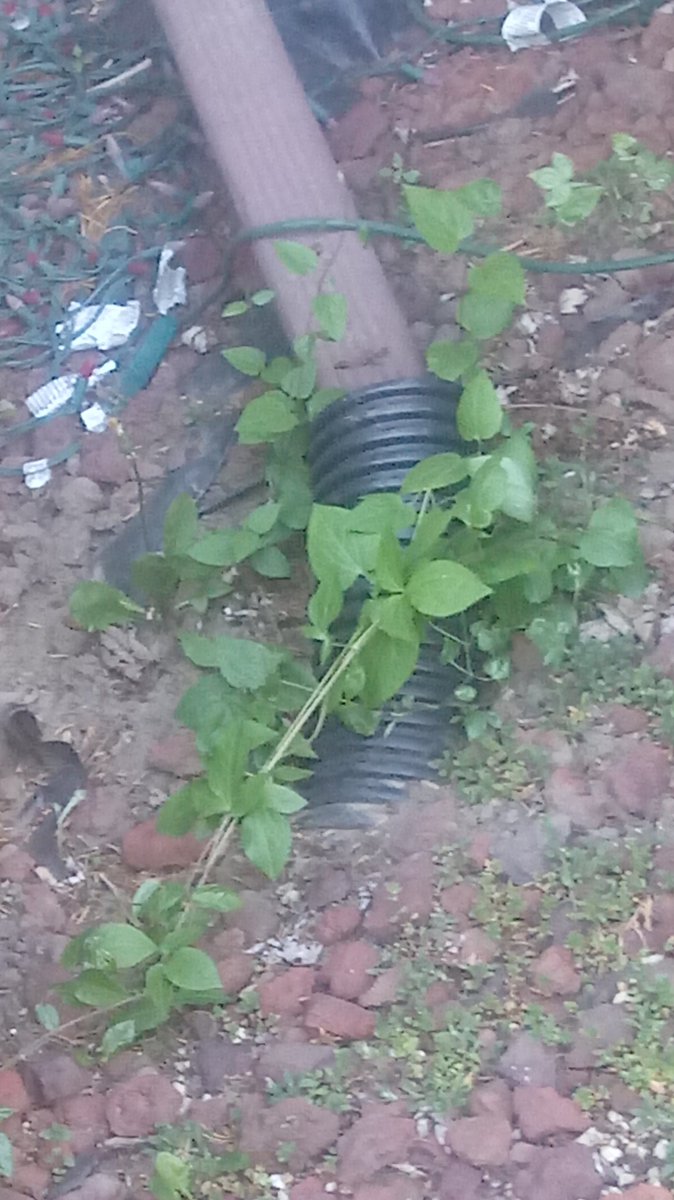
495 766
614 673
329 1087
646 1064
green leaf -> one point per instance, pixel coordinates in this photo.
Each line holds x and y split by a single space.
117 1037
484 316
283 799
48 1017
388 662
271 563
172 1178
389 568
482 197
429 529
500 275
436 471
440 217
300 381
219 899
225 547
178 814
100 989
298 258
517 459
330 310
266 417
6 1157
381 512
156 578
561 171
451 360
243 663
264 296
581 202
276 371
206 705
192 970
325 606
95 606
126 945
610 539
266 839
441 589
235 308
263 518
246 359
395 615
322 399
479 415
329 547
181 526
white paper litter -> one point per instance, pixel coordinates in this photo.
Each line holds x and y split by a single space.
36 473
94 419
51 396
571 299
100 326
522 27
171 285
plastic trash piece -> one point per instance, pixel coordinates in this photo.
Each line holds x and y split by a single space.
36 473
524 25
170 288
99 326
52 395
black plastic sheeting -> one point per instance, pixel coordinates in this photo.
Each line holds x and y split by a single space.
330 40
362 444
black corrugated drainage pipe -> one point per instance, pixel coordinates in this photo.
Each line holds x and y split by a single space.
364 443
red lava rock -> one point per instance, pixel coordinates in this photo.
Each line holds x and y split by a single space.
293 1132
56 1077
282 1059
176 754
202 258
476 947
458 900
8 1193
101 1187
339 1018
385 987
459 1181
348 966
235 972
15 865
639 778
626 719
641 1191
135 1107
391 1185
103 460
144 849
583 801
287 993
374 1141
330 886
492 1099
479 850
336 923
560 1173
481 1141
312 1187
554 973
77 494
42 908
256 918
425 823
32 1179
214 1113
542 1112
13 1094
407 898
84 1117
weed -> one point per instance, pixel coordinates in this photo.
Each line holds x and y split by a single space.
187 1166
436 1068
496 766
331 1087
646 1062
